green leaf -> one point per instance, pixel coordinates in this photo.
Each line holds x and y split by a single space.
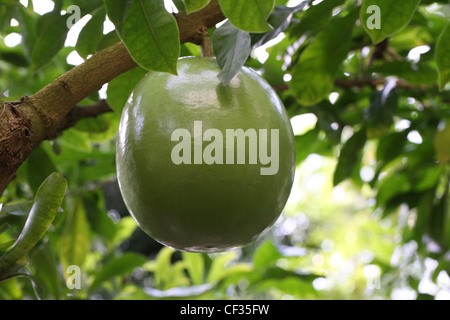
416 74
115 267
349 156
76 140
195 265
311 143
314 74
117 11
195 5
46 205
280 19
27 22
443 57
392 185
383 18
232 49
266 255
91 34
249 15
74 243
151 35
43 261
39 167
380 114
315 18
120 88
51 35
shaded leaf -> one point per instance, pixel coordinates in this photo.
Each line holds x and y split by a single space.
117 11
120 88
315 18
443 56
43 262
91 34
349 156
232 48
442 144
380 113
39 167
74 243
51 35
314 74
280 19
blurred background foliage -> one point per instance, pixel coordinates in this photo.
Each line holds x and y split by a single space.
368 216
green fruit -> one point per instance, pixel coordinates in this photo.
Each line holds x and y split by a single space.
183 181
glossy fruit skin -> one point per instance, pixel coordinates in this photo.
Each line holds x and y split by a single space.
200 207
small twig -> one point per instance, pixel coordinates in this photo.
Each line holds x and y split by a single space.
81 112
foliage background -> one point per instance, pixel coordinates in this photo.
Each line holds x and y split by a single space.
368 216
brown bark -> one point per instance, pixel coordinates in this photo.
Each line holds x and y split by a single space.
26 123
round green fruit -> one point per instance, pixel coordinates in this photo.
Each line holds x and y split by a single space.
204 167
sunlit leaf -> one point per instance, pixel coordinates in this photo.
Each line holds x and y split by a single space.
195 5
249 15
383 18
151 35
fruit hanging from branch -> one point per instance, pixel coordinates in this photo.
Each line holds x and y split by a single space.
205 167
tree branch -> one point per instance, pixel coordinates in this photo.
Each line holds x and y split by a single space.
81 112
28 122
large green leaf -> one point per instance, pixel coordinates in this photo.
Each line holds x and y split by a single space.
443 56
151 35
314 74
46 206
383 18
195 5
249 15
232 49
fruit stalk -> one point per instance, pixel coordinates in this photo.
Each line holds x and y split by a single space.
206 45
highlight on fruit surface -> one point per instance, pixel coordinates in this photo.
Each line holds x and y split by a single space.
204 167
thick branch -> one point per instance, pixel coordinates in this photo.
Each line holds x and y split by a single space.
26 123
